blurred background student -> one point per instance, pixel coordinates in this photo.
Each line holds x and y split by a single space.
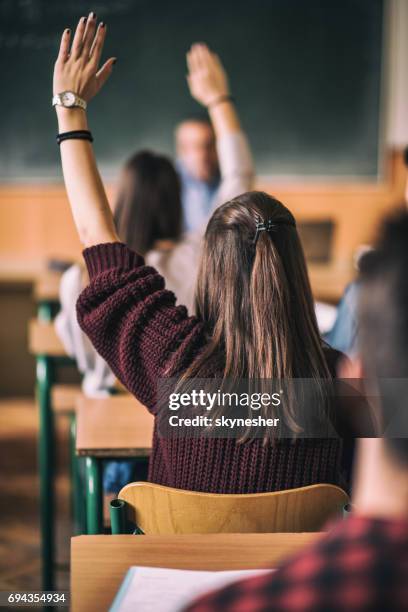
197 163
343 334
202 157
148 216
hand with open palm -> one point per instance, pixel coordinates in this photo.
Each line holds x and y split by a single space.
77 66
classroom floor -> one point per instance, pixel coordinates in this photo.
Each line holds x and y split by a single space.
20 566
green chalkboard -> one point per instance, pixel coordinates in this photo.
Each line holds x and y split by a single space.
306 75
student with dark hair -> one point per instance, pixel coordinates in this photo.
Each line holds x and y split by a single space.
362 563
343 335
255 315
147 212
149 192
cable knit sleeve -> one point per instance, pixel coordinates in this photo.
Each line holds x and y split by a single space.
132 320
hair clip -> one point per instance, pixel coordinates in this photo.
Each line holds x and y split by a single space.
269 226
263 226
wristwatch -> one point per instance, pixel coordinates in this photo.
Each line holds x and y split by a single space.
69 99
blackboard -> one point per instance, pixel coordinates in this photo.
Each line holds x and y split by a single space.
306 75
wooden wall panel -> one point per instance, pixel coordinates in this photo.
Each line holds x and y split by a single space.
36 223
356 209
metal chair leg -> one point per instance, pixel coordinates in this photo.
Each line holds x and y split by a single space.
44 311
46 465
117 511
94 496
78 501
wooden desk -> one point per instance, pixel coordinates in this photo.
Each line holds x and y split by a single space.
63 398
25 270
45 282
118 426
99 563
46 294
43 339
46 286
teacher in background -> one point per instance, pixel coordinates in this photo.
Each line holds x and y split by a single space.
200 155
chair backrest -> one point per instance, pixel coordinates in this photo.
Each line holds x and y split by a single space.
156 509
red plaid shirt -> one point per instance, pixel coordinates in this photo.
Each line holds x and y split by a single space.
361 565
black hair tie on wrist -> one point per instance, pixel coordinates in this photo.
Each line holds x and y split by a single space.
220 99
75 135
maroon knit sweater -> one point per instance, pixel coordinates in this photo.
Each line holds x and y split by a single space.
132 321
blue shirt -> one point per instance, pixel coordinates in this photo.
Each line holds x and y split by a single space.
343 335
196 198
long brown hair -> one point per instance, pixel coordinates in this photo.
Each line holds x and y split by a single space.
148 206
255 299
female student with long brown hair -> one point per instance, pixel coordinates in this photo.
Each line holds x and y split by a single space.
254 305
148 217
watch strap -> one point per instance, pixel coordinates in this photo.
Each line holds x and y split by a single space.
79 102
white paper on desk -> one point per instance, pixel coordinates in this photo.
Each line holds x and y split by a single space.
153 589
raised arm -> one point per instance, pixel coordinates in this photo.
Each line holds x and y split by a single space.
77 70
130 318
208 83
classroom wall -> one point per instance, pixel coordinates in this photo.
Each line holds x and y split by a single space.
36 223
355 208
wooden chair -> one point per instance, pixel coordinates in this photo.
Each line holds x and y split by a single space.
154 509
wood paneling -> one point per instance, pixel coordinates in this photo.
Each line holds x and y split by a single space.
355 208
36 222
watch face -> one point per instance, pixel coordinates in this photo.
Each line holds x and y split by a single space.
68 98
